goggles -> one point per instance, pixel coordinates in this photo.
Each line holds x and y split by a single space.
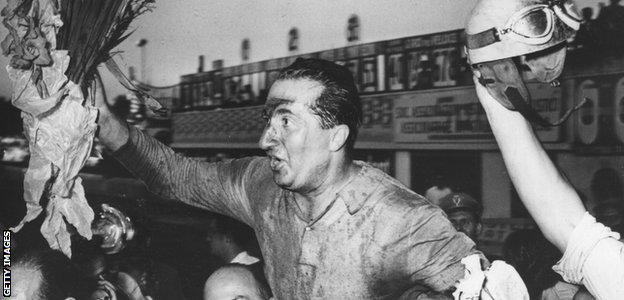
532 25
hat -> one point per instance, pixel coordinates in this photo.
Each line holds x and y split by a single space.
460 201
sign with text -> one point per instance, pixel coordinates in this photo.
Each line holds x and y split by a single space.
455 115
376 119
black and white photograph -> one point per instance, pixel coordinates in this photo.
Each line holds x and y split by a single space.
328 149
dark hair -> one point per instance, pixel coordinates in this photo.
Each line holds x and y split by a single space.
528 251
59 279
339 103
440 181
241 234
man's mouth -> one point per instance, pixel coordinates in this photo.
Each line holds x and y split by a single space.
275 162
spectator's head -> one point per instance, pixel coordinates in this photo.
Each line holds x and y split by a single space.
235 281
610 214
464 212
227 237
606 184
587 13
313 114
46 274
529 252
437 187
89 258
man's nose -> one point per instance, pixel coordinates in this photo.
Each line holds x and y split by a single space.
268 138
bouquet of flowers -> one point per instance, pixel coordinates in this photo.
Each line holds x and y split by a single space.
55 48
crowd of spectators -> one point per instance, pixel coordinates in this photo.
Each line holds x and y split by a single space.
137 271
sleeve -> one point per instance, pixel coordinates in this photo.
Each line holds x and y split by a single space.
217 187
595 258
433 249
435 236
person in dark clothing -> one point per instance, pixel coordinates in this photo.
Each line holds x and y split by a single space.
611 19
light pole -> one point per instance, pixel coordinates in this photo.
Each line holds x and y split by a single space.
141 44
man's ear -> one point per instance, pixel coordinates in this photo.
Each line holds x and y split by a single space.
339 135
479 228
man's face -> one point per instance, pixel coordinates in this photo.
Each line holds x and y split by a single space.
465 222
293 139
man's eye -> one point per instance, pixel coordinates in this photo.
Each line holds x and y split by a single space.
285 121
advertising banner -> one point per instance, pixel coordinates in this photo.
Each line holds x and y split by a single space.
236 125
377 119
455 115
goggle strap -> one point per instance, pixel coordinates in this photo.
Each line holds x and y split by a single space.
482 39
567 19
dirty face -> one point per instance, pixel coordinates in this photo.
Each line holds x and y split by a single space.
465 222
297 146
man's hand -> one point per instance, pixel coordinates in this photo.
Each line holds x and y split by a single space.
491 105
113 132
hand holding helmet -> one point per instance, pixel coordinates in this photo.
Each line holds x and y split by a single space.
503 34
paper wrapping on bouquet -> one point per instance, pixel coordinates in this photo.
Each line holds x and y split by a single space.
31 33
60 131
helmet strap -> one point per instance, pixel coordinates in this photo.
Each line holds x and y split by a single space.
502 80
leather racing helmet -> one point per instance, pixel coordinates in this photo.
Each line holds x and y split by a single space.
503 34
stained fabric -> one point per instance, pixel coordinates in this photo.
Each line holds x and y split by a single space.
376 241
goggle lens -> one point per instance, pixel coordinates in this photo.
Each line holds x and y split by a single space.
535 23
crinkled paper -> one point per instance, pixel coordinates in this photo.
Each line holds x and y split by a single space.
60 131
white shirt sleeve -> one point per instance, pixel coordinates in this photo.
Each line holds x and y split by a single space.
595 258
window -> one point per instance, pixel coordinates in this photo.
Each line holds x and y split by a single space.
420 70
353 66
395 71
369 74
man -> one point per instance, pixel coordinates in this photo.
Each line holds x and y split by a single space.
235 281
46 274
464 212
227 240
328 227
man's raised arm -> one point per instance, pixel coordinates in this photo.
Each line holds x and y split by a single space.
592 254
553 203
215 187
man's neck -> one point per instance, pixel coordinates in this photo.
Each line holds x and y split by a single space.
312 203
